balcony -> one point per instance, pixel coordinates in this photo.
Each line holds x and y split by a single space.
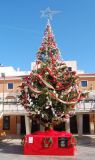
85 106
11 108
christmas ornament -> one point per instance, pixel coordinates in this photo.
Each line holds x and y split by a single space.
51 90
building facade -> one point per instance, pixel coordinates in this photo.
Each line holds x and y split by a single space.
86 109
12 114
13 117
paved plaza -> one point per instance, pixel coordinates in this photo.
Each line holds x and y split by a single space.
11 148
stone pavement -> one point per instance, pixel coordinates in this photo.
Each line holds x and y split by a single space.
11 149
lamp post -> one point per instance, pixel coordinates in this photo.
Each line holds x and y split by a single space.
3 76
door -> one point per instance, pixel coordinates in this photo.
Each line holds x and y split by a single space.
73 124
60 127
23 130
86 124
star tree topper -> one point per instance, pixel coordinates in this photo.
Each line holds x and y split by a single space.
48 13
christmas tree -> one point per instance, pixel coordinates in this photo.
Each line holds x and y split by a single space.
51 89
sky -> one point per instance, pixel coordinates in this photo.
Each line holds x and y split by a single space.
22 29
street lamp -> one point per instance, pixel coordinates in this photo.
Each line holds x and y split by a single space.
3 76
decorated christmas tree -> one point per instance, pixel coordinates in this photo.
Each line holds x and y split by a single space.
51 89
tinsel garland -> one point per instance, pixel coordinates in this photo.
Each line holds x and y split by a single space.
50 89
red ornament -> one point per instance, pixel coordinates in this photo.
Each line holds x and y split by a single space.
59 84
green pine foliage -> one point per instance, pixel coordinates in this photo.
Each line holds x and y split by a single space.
51 90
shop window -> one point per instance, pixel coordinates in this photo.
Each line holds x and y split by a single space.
6 122
84 83
10 85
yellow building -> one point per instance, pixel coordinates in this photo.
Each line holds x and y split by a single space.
13 117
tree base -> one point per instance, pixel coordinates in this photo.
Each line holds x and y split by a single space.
50 143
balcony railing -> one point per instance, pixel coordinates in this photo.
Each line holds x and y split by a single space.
14 107
85 106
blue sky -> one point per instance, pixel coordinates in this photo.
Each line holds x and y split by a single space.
22 28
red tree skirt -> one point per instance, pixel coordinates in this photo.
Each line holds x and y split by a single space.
49 143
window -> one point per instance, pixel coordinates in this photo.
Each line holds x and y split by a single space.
84 83
69 68
6 122
10 85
